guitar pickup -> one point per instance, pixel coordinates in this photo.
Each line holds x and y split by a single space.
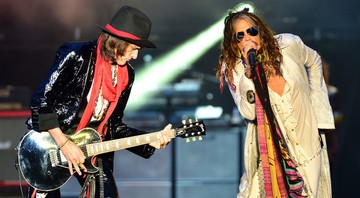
54 160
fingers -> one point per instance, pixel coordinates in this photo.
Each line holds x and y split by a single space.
168 127
164 138
83 167
75 158
165 141
77 168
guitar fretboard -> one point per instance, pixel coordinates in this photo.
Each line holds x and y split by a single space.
123 143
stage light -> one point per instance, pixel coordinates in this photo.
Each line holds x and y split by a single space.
208 112
241 6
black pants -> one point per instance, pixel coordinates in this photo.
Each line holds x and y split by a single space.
110 189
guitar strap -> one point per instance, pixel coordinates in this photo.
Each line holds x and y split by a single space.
101 178
88 190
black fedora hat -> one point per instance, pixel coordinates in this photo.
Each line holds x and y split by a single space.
131 25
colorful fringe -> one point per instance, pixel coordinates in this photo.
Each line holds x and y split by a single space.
281 178
273 177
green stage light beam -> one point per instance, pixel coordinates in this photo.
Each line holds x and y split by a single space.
164 69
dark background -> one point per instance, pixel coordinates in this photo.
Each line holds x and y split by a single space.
30 32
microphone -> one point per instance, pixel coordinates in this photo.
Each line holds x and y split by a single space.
251 56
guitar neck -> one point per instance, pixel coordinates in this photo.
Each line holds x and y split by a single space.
123 143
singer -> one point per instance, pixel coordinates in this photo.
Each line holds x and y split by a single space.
277 84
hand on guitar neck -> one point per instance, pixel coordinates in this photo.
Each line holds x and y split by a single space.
164 139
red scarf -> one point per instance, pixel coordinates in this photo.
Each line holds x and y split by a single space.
103 80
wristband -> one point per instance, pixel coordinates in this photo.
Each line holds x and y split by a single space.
63 144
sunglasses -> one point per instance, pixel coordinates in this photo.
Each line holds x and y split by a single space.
252 31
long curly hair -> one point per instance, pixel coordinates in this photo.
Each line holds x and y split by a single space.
269 52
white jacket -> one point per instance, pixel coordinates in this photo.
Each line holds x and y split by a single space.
303 65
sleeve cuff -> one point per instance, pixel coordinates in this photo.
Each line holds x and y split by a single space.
48 121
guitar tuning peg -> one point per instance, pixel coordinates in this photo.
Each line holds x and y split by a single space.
190 120
187 140
194 139
196 120
184 122
200 138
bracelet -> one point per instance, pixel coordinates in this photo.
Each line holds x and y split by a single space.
63 144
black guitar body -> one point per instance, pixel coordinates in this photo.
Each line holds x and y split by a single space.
39 158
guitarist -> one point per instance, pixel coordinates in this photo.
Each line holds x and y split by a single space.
89 85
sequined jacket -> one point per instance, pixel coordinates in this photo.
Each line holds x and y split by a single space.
59 98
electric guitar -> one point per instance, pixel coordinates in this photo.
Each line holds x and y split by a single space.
45 168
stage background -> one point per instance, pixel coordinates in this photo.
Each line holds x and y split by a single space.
31 31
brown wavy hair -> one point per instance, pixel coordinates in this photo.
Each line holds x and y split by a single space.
269 52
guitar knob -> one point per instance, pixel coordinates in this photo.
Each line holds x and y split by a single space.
194 139
200 138
187 140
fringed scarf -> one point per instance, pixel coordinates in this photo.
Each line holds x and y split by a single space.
103 80
280 177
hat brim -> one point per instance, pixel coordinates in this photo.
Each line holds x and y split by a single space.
140 43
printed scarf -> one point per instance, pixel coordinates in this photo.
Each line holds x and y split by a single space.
280 176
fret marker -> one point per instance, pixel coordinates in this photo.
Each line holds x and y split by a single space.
101 147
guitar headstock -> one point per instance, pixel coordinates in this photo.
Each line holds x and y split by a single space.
191 129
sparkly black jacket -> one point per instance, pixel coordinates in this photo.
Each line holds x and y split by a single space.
61 96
